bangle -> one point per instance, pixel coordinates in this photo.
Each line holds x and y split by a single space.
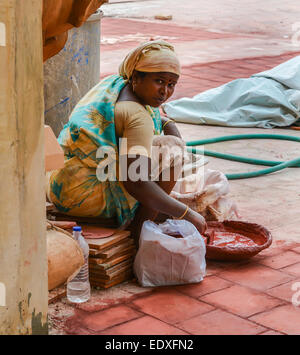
164 125
185 212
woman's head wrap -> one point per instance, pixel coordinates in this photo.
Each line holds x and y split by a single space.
150 57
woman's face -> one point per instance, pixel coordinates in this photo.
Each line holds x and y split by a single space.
154 88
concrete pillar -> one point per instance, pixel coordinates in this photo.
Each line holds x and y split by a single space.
70 74
23 256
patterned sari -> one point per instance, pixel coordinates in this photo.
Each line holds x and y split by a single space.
75 190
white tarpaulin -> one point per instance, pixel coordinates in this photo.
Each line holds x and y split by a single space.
268 99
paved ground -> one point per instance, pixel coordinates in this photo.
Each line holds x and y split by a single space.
273 18
246 29
246 298
254 297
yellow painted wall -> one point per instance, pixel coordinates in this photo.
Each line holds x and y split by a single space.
23 260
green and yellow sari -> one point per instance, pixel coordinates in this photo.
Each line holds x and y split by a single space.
75 190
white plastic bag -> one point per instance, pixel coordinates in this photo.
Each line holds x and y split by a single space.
166 260
206 192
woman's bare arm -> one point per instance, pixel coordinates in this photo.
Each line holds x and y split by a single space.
152 196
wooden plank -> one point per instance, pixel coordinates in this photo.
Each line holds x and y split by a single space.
111 271
95 232
102 254
95 268
121 278
96 221
107 263
94 253
117 273
103 243
99 280
125 246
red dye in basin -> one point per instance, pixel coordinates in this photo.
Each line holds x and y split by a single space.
233 240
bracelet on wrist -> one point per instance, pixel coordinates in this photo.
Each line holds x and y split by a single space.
164 125
184 213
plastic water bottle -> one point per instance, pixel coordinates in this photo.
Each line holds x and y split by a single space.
79 289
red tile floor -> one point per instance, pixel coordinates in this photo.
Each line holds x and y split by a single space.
201 77
258 296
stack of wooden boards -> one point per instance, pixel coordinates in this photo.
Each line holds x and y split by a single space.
111 254
111 259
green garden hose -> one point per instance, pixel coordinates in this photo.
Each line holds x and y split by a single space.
275 165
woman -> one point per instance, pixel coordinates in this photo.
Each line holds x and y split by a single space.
122 106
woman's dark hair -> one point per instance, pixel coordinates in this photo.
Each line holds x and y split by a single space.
141 74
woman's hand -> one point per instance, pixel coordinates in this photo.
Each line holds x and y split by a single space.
169 128
197 220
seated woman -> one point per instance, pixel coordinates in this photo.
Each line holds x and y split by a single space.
92 183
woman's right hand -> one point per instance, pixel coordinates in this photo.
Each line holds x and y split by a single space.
197 220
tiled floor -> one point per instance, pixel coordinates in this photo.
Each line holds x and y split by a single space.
246 297
258 296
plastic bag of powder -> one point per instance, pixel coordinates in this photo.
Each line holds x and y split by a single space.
163 259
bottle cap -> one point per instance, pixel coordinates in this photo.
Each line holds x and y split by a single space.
77 229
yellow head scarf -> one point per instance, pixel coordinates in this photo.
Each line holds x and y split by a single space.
150 57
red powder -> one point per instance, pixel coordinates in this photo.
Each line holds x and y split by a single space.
230 239
175 235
